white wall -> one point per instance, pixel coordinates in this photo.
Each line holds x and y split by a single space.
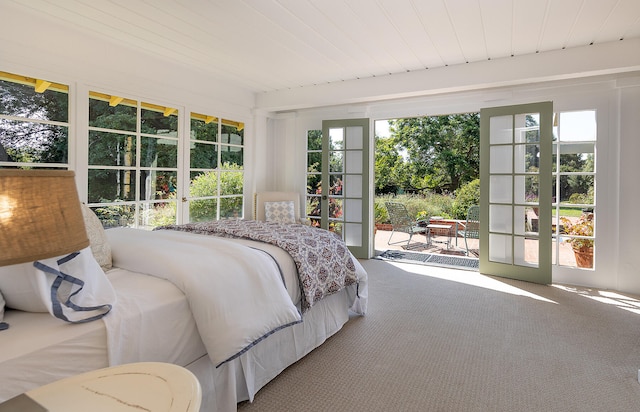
44 48
616 98
628 245
579 62
38 47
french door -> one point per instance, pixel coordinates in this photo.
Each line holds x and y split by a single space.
515 188
344 193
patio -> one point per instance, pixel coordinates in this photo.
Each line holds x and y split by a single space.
419 244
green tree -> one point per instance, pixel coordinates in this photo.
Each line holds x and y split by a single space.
206 184
314 161
466 196
203 155
29 141
390 168
576 188
443 151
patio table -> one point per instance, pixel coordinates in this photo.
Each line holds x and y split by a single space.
439 227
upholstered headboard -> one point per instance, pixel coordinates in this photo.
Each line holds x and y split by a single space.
261 198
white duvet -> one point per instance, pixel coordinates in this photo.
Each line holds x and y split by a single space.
236 293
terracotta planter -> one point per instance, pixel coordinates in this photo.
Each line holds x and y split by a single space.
584 257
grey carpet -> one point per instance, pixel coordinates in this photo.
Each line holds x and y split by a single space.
438 339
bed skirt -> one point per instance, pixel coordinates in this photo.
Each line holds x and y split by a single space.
240 379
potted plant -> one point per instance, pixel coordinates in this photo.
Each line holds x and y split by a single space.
381 217
582 248
422 217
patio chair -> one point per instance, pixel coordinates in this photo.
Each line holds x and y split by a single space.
402 222
471 227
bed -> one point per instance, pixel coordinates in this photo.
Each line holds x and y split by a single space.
158 317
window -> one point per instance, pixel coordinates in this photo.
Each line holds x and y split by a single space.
133 161
134 150
574 172
216 169
34 122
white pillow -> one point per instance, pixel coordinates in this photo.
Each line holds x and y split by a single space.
281 212
100 246
83 294
19 287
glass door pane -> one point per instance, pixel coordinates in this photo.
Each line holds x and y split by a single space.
515 155
314 177
574 188
344 203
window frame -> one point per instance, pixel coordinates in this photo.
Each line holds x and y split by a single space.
43 86
558 175
218 143
136 211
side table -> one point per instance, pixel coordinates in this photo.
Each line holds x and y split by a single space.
144 386
440 227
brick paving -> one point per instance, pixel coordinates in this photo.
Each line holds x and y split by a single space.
419 244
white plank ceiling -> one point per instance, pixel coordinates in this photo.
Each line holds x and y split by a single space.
270 45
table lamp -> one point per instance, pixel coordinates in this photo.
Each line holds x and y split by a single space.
40 215
43 236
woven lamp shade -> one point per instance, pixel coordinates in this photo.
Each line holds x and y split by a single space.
40 215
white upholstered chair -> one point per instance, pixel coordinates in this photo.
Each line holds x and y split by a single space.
261 198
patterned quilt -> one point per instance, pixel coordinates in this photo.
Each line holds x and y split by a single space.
324 263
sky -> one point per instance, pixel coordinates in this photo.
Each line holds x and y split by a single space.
576 126
382 128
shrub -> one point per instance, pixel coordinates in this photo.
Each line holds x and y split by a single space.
581 198
418 206
115 215
467 195
160 214
380 211
206 184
